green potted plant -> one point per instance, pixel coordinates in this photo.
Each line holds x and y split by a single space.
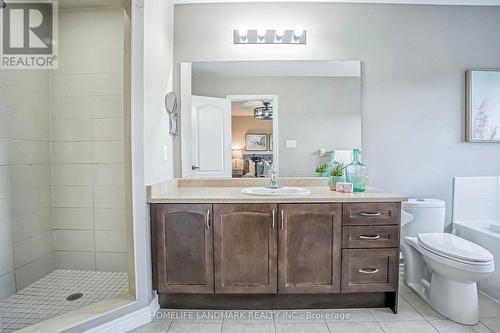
322 170
336 175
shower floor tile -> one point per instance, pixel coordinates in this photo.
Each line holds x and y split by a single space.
46 297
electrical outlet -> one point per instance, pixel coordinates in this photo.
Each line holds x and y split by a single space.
165 152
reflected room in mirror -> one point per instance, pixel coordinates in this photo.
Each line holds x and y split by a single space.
251 129
244 118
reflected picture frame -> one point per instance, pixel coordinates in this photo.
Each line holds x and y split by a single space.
255 142
482 106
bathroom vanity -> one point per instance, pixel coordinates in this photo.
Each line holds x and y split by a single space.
214 247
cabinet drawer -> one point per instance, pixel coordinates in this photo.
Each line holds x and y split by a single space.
371 213
373 270
367 236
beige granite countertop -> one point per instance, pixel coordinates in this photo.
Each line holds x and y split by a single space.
229 191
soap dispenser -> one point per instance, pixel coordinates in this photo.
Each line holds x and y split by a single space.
356 172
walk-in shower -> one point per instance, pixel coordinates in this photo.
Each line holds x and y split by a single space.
65 171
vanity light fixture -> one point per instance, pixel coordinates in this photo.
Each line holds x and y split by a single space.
270 36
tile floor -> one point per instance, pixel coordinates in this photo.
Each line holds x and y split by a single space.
415 316
46 297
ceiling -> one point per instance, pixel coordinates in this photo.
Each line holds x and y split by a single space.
414 2
238 109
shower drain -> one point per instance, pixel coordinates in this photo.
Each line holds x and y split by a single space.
74 297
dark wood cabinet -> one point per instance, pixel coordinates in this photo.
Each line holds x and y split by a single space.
268 256
371 270
309 254
182 248
369 213
367 236
245 245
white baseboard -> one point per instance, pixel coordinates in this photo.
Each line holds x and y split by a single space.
130 321
154 306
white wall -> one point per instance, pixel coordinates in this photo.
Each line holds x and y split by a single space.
26 236
87 134
158 55
414 58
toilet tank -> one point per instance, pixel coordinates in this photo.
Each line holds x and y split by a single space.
428 216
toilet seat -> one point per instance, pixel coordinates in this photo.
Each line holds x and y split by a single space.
455 248
462 265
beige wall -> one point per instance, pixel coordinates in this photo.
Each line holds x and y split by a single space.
414 59
87 134
241 125
26 236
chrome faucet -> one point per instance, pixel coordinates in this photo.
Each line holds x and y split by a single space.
273 180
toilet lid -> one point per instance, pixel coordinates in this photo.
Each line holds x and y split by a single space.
454 247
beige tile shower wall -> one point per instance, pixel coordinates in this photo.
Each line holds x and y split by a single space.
87 134
26 235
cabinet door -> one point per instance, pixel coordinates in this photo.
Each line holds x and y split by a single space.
245 245
310 240
183 248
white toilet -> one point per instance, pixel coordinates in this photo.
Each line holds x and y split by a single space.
442 268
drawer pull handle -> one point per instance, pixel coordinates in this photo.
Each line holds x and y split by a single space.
369 237
274 217
368 270
207 219
370 214
282 219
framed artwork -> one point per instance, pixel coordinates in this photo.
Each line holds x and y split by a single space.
482 106
255 142
271 142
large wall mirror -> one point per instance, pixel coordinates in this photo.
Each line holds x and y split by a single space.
241 118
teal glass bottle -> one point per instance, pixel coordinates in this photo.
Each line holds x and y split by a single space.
356 172
332 163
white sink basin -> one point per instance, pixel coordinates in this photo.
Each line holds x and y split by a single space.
276 191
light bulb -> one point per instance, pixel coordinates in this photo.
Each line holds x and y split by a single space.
279 34
261 33
243 34
298 32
